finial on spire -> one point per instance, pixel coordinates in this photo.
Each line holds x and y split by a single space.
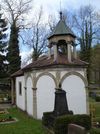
61 15
60 11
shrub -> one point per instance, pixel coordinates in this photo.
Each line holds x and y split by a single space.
94 131
97 98
83 120
48 119
61 123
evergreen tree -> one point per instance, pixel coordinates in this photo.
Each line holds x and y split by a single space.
3 46
95 58
13 56
95 64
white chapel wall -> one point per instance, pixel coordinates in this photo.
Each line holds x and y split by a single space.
45 95
20 99
29 95
76 94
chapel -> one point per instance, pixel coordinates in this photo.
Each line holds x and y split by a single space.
34 86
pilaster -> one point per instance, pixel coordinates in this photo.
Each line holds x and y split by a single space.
55 51
49 53
74 52
12 91
87 101
25 98
34 103
69 52
58 78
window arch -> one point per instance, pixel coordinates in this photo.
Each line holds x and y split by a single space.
77 74
48 74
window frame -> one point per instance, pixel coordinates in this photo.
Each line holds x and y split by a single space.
20 88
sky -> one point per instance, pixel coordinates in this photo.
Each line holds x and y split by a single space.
54 5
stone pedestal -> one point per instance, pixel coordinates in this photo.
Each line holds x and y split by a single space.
61 106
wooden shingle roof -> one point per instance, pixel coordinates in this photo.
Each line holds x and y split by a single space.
45 62
61 29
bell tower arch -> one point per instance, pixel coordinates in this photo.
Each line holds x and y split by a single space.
62 39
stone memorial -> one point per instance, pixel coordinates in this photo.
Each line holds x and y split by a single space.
61 105
76 129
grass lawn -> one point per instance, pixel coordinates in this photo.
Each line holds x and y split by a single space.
25 125
28 125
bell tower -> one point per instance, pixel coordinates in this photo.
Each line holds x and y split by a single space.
62 41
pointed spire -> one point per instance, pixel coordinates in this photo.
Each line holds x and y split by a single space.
61 28
61 17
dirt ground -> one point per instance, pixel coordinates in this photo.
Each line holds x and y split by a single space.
8 105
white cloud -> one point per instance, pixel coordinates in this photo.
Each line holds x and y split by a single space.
25 54
26 57
54 5
77 3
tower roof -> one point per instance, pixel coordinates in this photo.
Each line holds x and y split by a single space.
61 29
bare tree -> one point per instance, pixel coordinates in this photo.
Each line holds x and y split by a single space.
37 36
85 22
52 21
15 10
87 25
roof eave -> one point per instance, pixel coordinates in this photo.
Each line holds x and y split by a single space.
56 66
51 36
